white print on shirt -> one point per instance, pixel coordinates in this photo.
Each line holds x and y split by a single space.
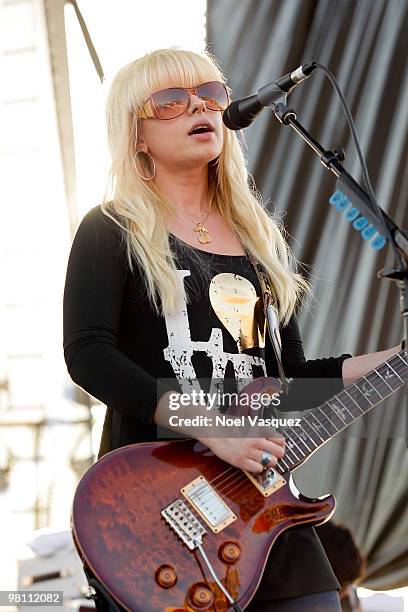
181 347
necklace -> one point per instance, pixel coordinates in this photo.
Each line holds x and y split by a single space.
203 235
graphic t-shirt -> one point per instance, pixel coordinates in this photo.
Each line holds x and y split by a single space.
220 333
117 347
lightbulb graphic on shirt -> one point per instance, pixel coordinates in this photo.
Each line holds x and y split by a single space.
236 304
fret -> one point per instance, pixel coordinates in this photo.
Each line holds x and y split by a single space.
299 438
389 367
317 426
378 383
335 416
364 397
328 423
341 412
359 396
347 408
348 401
350 395
282 460
383 379
296 441
402 357
303 437
380 391
282 467
290 456
290 444
310 431
304 440
390 376
399 364
368 390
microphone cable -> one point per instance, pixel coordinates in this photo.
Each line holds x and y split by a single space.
366 178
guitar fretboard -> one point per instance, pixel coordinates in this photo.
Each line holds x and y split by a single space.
321 424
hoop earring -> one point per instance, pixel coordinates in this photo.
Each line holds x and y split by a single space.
144 178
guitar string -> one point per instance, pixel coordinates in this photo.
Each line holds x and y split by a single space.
398 367
235 472
242 477
349 407
232 486
244 484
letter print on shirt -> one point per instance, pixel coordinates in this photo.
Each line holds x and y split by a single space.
239 310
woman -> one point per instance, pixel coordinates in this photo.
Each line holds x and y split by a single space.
153 272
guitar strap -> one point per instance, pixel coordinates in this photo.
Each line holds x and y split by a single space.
271 318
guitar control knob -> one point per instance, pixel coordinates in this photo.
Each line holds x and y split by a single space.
230 552
166 576
201 596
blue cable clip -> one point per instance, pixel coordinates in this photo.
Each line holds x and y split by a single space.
352 214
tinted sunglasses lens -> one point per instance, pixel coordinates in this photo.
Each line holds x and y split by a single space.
214 95
170 103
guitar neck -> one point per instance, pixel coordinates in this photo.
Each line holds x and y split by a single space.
321 424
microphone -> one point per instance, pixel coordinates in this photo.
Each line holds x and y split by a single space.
241 113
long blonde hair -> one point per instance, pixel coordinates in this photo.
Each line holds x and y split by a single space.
138 206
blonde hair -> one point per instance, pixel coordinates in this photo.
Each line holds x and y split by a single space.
138 207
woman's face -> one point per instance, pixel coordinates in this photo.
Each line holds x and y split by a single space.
173 146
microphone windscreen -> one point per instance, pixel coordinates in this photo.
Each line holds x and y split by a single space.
241 113
232 117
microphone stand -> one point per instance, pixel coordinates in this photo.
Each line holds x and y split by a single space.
331 160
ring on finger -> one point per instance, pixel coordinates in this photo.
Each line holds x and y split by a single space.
266 457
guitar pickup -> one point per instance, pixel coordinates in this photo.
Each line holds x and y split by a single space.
208 504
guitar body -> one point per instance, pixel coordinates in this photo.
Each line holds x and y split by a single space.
127 543
170 527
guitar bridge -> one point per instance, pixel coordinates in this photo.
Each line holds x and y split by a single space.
184 523
267 482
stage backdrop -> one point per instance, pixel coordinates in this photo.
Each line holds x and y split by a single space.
365 44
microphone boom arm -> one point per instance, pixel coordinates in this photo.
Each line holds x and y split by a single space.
347 184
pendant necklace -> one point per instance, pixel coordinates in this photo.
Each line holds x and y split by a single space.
203 235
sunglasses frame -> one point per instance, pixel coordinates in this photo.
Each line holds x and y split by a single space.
148 110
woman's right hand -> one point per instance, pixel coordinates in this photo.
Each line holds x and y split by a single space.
246 453
241 452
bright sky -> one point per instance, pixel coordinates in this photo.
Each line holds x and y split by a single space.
121 31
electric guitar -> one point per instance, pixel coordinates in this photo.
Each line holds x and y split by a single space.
170 527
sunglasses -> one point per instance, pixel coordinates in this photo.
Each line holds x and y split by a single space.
174 101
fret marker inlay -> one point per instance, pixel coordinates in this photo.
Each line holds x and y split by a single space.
339 410
367 390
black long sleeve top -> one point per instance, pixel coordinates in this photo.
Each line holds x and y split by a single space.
116 347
